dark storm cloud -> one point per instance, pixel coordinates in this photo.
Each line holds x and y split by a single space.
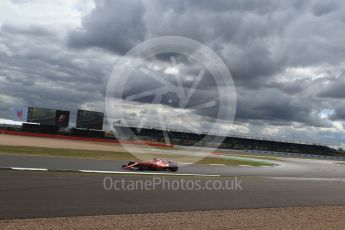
322 8
292 87
257 39
37 70
334 88
115 25
339 113
280 108
204 92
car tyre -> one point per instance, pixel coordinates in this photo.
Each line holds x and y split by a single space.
173 169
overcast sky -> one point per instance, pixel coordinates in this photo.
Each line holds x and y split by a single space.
286 58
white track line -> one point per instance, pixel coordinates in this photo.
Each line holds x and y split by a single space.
308 179
115 172
29 169
147 173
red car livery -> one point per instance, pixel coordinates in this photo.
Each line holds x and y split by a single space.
155 164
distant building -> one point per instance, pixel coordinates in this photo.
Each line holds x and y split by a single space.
42 116
90 120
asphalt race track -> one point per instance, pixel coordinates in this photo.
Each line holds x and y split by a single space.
295 182
289 167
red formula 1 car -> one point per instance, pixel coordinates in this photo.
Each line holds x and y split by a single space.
155 164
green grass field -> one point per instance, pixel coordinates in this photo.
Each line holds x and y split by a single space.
106 155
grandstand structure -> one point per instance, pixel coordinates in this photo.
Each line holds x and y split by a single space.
132 130
129 129
135 125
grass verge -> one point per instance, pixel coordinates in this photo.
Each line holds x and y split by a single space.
234 162
61 152
259 157
106 155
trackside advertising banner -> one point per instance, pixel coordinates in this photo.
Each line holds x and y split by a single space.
62 118
20 114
